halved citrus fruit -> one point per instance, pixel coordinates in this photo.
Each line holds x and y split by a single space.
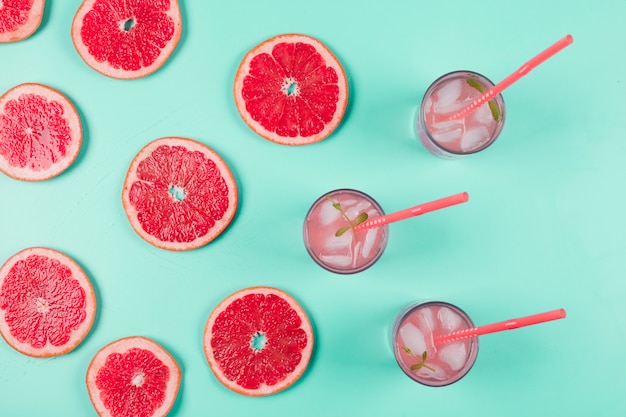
40 132
179 194
133 376
258 341
291 90
47 303
126 39
19 19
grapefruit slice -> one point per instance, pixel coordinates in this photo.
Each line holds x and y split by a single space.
291 90
19 19
179 194
258 341
126 39
133 376
40 132
47 303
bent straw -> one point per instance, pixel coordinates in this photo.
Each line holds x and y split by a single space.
523 70
413 211
503 325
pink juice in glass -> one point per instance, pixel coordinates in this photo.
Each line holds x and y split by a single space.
474 132
414 333
350 252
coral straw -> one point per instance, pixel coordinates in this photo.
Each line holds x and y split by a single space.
523 70
503 325
413 211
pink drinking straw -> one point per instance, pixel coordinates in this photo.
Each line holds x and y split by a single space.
523 70
413 211
503 325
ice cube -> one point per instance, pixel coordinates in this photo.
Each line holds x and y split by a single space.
328 213
474 138
335 244
426 319
450 321
448 95
483 115
413 338
370 239
338 261
447 136
353 212
453 354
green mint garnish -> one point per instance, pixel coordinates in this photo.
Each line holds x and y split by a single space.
421 361
495 111
352 223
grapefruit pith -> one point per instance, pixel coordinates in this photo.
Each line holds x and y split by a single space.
179 194
126 39
47 303
291 90
258 341
40 132
19 19
133 376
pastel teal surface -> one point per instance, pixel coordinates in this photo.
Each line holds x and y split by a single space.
544 227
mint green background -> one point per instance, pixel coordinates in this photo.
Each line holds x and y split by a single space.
544 227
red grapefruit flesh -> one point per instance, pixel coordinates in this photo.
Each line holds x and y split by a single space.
179 194
40 132
47 303
258 341
133 377
126 39
291 90
19 19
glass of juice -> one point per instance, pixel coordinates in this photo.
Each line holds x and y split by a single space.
452 138
416 351
331 239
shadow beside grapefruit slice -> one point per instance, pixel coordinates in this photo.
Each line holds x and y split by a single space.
19 19
291 90
258 341
126 39
179 194
133 376
40 132
47 303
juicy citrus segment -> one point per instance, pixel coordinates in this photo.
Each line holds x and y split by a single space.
133 376
291 90
19 19
47 303
258 341
126 39
40 132
179 194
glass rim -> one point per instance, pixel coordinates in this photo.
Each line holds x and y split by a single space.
498 98
472 352
345 271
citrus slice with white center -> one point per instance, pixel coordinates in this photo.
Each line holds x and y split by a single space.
133 376
179 194
19 19
47 303
40 132
291 90
258 341
126 39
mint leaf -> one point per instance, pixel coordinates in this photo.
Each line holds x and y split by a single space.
342 231
360 218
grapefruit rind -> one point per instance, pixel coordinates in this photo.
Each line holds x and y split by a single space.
79 333
74 124
265 389
121 346
331 61
224 170
25 31
104 67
